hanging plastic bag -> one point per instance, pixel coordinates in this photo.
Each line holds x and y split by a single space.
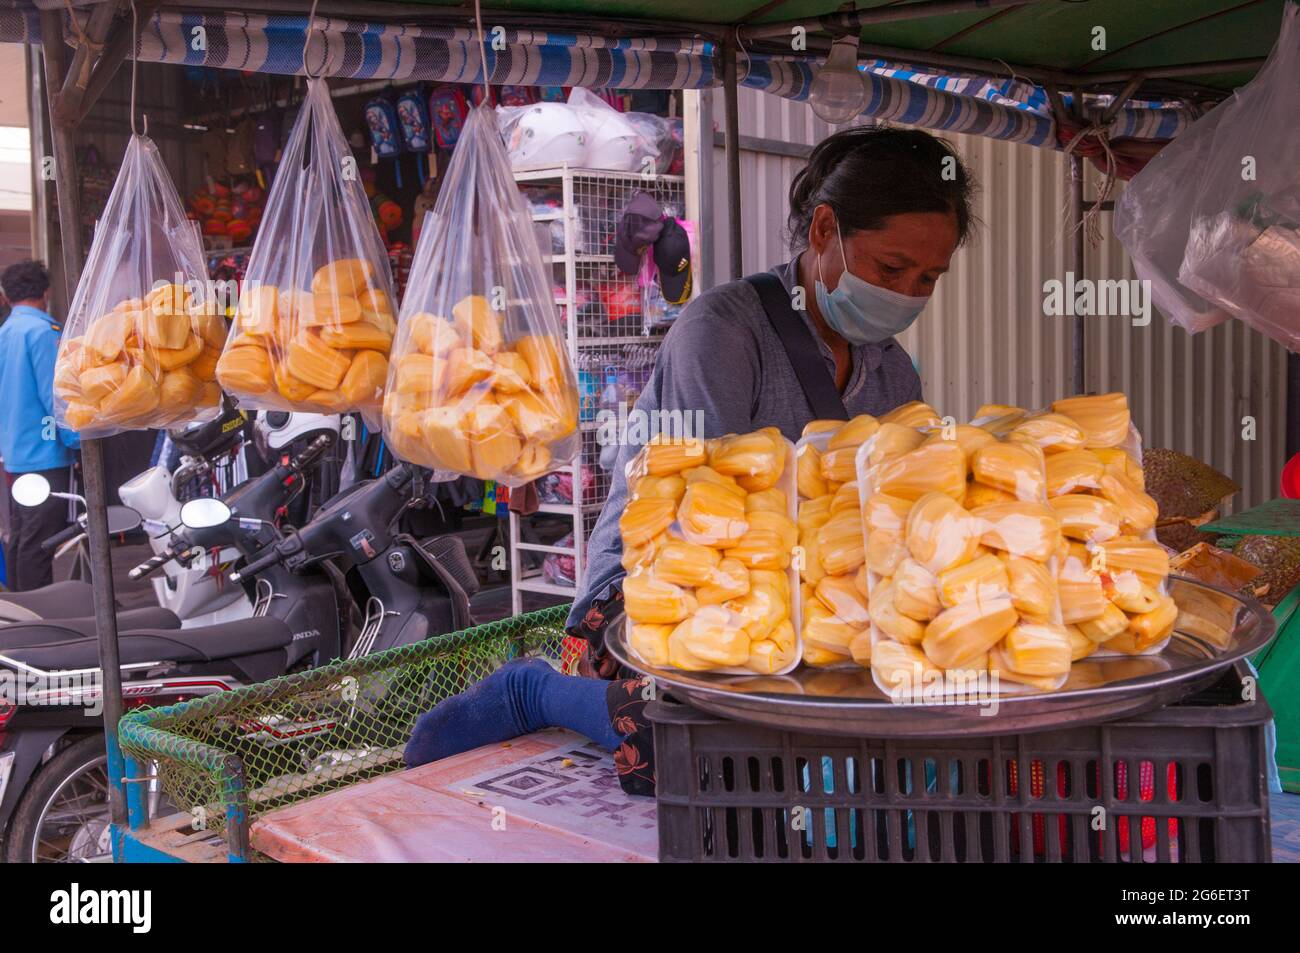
1243 251
143 336
481 382
316 315
1153 217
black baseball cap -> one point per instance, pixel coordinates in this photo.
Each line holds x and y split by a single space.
640 225
672 254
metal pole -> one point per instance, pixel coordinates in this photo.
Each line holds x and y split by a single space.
1076 220
731 144
891 13
92 460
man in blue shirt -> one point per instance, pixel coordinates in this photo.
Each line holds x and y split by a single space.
29 440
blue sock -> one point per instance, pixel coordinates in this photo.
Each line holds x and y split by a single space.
519 698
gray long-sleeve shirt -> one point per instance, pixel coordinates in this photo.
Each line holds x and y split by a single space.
723 358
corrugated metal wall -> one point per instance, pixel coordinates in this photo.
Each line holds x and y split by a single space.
984 337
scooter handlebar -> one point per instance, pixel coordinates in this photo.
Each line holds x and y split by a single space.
152 565
268 558
58 539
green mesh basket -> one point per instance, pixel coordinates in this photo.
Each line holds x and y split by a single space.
229 757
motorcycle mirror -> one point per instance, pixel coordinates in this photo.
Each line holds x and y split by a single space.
30 489
204 513
122 519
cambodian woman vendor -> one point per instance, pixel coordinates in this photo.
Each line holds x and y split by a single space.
875 218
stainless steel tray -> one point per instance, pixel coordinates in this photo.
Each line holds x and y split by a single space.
1215 629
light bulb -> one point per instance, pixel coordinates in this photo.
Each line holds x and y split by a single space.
837 93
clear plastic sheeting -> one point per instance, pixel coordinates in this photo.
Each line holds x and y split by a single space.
316 313
143 335
481 383
1243 250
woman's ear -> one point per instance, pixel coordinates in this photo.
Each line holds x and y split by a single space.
821 228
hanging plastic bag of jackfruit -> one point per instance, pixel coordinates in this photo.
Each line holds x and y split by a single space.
959 559
316 314
140 346
709 542
481 382
1111 572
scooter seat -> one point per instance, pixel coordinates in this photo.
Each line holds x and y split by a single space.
208 644
47 632
61 600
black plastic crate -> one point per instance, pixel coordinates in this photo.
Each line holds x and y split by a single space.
1186 783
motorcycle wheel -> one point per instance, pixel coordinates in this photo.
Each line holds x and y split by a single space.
63 815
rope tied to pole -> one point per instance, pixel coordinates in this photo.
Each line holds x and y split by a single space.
1091 141
306 43
482 52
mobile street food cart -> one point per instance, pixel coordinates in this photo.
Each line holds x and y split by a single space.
954 65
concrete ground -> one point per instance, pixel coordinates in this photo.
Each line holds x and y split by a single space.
1285 811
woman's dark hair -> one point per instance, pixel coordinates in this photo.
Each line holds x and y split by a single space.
868 173
25 281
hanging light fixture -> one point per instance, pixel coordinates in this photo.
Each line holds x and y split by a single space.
837 93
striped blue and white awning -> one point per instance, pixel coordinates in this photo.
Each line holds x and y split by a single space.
1012 110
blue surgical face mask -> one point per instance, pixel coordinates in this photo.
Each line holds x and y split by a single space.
861 312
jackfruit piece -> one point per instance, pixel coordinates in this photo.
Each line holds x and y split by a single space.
941 533
343 276
445 444
885 512
1118 462
776 579
890 441
1031 586
432 335
759 610
258 311
105 339
67 377
137 395
937 468
977 495
767 543
478 323
78 416
810 561
1072 471
179 392
1146 630
815 657
820 426
771 500
359 336
913 414
1129 593
364 382
164 329
840 544
311 360
842 599
707 474
1011 468
1087 518
984 577
245 371
1001 669
1104 418
916 591
1081 599
290 387
823 629
534 418
901 668
712 515
860 581
813 513
839 466
330 310
1053 433
465 368
808 472
494 442
96 383
548 362
679 657
1037 648
665 488
884 550
650 642
204 367
965 436
663 457
168 359
1110 623
729 580
1020 528
648 599
854 433
1146 558
860 648
999 410
643 556
683 563
420 374
645 518
963 633
1138 511
886 617
510 374
768 656
846 498
376 301
760 454
1080 645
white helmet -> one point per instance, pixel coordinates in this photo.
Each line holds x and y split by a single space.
276 429
548 134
